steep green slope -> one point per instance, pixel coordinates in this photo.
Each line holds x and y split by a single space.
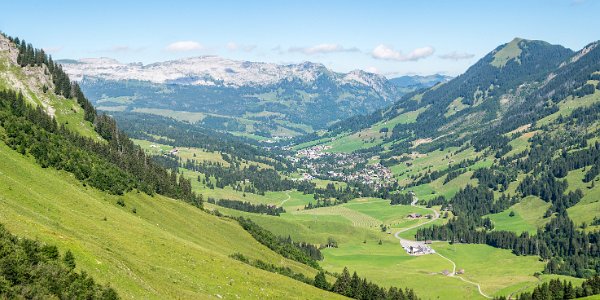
167 249
34 270
150 247
501 84
36 86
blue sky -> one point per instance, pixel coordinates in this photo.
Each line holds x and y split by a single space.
388 37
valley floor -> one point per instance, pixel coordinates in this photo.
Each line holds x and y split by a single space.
356 227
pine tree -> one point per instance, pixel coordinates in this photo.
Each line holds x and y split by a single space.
69 260
342 284
356 287
321 281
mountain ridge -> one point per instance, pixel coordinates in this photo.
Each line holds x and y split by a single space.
261 99
486 96
420 81
209 70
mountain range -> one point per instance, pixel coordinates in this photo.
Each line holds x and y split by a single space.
260 99
498 168
418 81
514 85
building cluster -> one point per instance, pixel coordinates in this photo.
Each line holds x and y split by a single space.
419 250
374 175
315 152
347 167
417 247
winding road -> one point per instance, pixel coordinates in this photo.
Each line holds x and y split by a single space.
436 215
285 200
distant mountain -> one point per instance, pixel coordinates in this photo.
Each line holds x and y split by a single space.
249 97
514 85
489 88
417 81
213 71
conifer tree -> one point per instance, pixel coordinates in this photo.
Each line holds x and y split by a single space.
321 281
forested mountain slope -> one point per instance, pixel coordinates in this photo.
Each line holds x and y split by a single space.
70 178
514 85
510 148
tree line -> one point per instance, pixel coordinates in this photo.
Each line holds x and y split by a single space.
116 166
277 244
250 178
248 207
360 288
353 286
556 289
567 250
30 56
32 270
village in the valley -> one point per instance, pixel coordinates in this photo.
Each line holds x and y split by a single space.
348 167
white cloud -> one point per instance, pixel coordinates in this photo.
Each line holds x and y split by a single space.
239 47
322 49
387 53
184 46
457 55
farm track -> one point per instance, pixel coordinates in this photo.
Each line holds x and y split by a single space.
453 274
285 200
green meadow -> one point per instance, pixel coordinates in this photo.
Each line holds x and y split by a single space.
165 249
355 226
528 216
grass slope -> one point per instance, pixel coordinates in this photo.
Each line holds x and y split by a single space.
167 249
529 216
355 227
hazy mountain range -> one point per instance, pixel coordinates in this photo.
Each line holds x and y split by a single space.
249 97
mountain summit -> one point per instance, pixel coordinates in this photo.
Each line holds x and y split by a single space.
212 71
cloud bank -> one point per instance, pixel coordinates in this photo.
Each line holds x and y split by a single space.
387 53
183 46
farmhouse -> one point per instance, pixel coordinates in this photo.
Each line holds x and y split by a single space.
414 215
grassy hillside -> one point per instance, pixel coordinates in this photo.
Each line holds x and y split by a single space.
149 247
528 216
355 226
31 82
166 249
156 247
